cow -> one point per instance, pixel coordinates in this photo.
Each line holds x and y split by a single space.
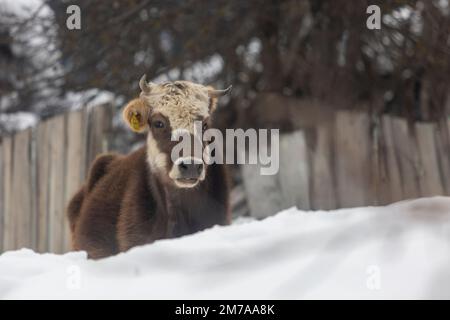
135 199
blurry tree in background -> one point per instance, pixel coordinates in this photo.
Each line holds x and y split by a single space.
292 49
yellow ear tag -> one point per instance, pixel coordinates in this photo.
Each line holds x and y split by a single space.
135 121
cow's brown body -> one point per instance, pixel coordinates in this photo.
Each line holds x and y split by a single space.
124 204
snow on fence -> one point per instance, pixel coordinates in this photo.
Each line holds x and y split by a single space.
40 169
355 161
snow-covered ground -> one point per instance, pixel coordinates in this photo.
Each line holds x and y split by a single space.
397 251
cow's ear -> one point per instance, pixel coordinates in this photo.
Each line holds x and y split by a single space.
136 114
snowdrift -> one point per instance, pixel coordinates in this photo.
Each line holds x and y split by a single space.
397 251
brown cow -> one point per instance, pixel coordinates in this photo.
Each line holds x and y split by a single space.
144 196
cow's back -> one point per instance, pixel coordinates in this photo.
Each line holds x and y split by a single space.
98 202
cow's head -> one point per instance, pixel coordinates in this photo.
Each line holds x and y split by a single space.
168 109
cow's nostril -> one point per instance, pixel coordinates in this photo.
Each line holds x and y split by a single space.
183 166
190 169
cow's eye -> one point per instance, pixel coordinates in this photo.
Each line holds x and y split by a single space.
158 124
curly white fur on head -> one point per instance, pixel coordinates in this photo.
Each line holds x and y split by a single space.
181 102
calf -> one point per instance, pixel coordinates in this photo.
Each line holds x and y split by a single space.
144 196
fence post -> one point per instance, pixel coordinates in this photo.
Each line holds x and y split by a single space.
56 184
294 171
443 149
43 136
323 194
99 123
75 164
8 225
392 189
21 203
353 158
429 175
407 158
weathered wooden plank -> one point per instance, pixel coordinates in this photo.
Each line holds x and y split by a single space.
99 123
392 190
21 205
448 128
407 157
443 154
263 191
294 171
448 150
56 177
2 214
379 171
93 132
43 138
33 191
352 149
323 194
429 176
8 222
75 163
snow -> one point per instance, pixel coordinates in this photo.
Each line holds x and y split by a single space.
397 251
17 121
71 100
202 71
87 98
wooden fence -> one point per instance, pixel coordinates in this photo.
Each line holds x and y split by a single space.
355 161
40 169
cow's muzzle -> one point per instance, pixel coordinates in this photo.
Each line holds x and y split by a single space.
188 171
